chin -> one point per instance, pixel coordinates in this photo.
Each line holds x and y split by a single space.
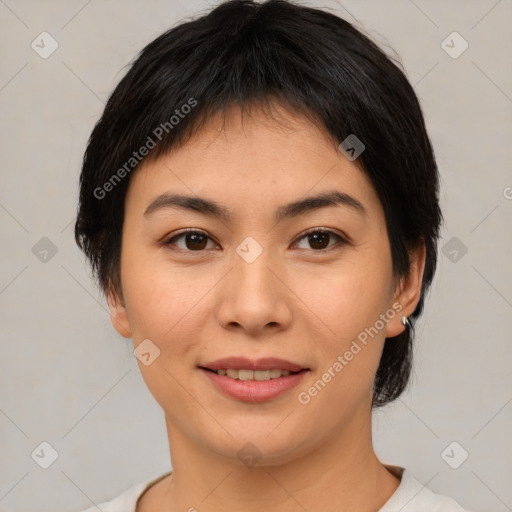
260 446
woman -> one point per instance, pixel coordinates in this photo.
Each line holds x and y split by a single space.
260 204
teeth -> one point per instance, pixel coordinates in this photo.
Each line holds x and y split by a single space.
232 373
253 374
245 374
261 375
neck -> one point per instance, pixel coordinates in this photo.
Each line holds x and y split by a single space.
341 475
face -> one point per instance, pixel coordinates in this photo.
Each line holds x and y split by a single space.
262 274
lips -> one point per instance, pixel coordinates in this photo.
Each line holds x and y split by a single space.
242 363
253 380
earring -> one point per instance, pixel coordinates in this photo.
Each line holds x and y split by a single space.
405 322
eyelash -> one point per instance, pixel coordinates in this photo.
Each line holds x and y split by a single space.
341 240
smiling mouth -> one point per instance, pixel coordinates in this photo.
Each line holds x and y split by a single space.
257 375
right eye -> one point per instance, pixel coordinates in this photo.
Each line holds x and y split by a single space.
193 241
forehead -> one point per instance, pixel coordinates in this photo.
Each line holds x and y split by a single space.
253 156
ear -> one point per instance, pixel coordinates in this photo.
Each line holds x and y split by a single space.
118 315
408 291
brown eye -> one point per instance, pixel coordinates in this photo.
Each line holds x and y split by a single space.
193 241
319 240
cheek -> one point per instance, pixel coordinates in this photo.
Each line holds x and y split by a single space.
167 307
350 352
348 299
159 298
170 308
349 303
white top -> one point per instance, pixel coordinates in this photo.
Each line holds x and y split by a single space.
410 496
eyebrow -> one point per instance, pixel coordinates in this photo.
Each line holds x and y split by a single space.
213 209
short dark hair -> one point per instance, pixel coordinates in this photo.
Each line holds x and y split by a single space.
248 53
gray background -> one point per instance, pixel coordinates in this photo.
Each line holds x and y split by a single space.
69 379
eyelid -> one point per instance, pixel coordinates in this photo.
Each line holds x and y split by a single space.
190 230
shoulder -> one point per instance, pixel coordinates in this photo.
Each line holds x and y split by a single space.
127 501
412 496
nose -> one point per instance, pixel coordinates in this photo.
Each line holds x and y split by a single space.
254 298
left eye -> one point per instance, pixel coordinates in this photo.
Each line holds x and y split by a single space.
319 239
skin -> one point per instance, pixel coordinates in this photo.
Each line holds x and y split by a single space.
294 302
